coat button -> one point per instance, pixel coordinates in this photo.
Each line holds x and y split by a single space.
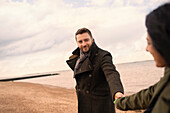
78 90
87 91
90 75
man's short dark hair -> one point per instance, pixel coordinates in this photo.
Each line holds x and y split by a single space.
83 30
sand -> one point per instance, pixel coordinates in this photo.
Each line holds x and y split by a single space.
18 97
22 97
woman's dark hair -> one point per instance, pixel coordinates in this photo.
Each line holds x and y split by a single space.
158 27
83 30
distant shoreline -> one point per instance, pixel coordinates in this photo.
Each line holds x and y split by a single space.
117 64
135 62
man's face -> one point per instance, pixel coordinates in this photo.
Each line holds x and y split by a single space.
84 41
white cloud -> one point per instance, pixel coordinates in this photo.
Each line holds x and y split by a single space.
39 36
98 2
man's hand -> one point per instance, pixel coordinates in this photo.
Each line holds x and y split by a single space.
118 95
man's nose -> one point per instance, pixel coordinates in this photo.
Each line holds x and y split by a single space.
83 43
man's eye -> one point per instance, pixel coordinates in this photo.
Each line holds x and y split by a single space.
80 41
86 40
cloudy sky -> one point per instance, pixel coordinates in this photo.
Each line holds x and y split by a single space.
38 35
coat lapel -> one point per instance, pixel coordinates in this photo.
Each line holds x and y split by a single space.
73 58
85 67
72 63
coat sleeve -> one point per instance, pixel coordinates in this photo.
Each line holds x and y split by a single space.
111 74
163 103
140 100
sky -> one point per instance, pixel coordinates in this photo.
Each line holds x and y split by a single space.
38 35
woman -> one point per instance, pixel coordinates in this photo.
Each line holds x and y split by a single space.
156 98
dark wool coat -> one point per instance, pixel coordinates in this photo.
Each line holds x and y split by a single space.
93 79
156 99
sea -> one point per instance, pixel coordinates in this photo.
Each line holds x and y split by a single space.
135 76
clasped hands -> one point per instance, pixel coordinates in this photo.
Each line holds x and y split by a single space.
118 95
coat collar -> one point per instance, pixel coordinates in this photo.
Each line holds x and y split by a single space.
93 50
87 64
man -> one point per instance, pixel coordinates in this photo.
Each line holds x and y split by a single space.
97 80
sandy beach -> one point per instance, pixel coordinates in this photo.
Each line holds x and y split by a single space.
22 97
18 97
